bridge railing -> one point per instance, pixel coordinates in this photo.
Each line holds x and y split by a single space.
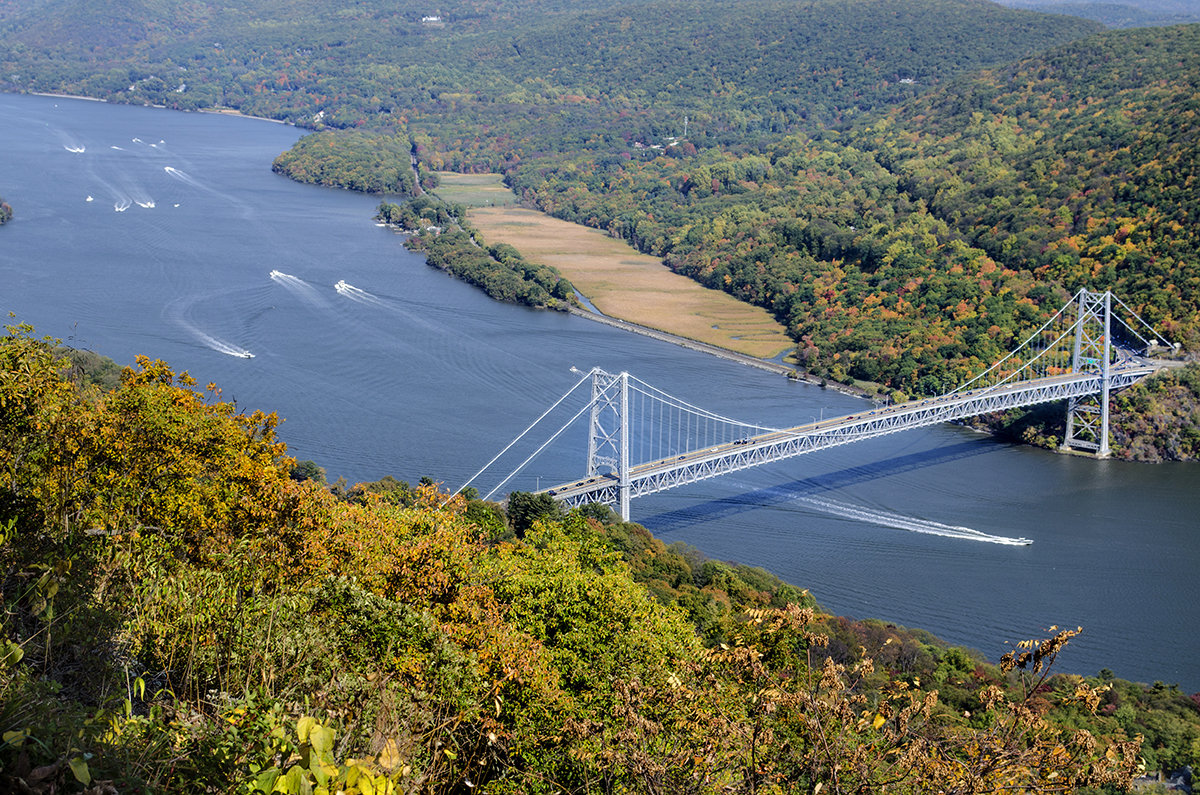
671 472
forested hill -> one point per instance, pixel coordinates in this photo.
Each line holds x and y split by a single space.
917 248
1079 167
472 70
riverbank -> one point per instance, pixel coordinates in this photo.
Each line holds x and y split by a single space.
690 344
218 111
619 281
66 96
232 112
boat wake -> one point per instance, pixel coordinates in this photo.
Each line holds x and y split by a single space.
209 341
121 206
909 523
182 176
355 294
298 286
188 179
75 149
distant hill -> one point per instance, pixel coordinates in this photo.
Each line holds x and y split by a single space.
754 66
1128 14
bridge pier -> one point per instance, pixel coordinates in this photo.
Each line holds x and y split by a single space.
608 433
1087 416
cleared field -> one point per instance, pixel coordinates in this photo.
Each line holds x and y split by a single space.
473 190
636 287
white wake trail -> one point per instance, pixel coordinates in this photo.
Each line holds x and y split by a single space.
299 287
209 341
188 179
183 176
909 523
355 294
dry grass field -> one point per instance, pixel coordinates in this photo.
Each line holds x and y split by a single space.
473 190
625 284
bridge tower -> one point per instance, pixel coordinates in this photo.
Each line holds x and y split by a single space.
608 432
1087 416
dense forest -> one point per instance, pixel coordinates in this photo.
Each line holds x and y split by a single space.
912 249
586 112
187 608
528 72
359 160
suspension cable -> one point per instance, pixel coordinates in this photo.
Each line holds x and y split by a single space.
670 400
1017 350
1138 319
534 454
521 435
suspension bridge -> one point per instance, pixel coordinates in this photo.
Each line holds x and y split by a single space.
642 440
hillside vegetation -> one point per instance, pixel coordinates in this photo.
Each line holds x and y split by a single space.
180 614
915 249
952 214
533 72
1078 167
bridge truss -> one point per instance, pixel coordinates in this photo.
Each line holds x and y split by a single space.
642 440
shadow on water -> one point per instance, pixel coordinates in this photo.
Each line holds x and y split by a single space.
726 507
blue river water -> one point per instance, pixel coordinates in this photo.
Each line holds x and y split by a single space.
145 231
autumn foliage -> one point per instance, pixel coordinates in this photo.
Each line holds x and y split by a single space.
180 615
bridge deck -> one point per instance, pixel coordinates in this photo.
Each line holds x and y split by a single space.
667 473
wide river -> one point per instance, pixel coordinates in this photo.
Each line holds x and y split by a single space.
145 231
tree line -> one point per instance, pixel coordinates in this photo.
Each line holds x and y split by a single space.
441 232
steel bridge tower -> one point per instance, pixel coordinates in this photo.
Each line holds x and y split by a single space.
1087 416
608 432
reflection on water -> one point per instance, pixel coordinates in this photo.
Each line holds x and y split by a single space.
216 260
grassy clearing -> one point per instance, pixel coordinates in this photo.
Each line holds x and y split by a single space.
473 190
632 286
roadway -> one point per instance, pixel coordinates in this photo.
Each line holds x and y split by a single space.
664 473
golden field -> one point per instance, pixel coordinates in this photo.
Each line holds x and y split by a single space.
618 280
